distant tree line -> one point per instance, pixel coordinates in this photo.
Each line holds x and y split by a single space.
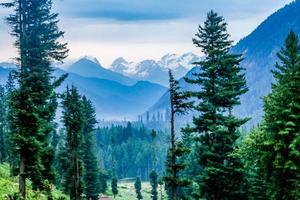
131 151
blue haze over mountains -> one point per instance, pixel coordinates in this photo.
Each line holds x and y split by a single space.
128 89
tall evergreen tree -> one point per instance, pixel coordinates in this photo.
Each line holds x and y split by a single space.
138 188
154 185
3 135
34 101
103 177
179 105
73 120
153 174
91 172
282 126
114 186
161 183
9 90
222 81
254 154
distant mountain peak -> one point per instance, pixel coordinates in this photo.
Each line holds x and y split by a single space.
169 56
156 71
91 58
119 60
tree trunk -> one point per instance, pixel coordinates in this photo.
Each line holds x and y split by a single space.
173 186
22 177
77 176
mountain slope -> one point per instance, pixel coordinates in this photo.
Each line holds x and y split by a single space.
92 68
111 99
259 49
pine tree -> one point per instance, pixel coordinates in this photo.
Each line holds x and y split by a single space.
138 188
3 135
222 81
9 90
154 185
73 120
161 183
153 174
34 101
282 127
254 155
91 172
103 177
114 186
154 157
179 105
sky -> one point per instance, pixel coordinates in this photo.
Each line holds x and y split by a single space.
142 29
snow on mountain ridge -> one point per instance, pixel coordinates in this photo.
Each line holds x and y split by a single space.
149 69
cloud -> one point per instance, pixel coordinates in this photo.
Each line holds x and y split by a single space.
144 10
141 29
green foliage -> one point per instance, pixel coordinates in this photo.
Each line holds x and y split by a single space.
179 105
73 120
222 82
270 153
3 134
103 178
33 104
114 186
154 185
281 123
138 188
173 179
252 151
132 150
9 188
91 172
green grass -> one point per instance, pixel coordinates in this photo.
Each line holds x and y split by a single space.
127 191
9 186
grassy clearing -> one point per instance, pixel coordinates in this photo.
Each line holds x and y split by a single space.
9 186
127 191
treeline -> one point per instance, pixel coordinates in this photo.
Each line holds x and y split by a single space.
131 150
213 160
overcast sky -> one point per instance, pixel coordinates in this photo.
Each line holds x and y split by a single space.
143 29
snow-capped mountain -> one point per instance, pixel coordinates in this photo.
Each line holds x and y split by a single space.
156 71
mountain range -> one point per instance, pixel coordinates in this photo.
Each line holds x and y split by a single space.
156 71
112 99
127 89
91 67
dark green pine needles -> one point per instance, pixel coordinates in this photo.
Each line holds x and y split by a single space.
282 125
91 171
33 103
73 120
138 188
179 105
222 81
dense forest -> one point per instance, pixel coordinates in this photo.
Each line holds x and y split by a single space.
209 158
